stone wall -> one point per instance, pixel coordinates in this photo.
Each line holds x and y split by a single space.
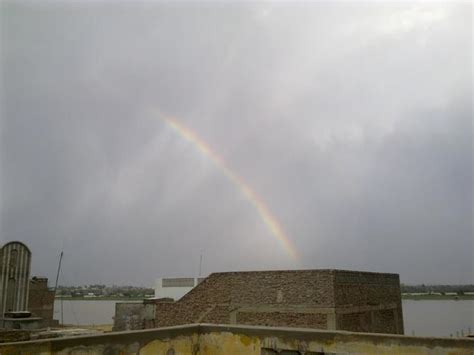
206 339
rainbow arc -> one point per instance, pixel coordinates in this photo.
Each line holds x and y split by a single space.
267 217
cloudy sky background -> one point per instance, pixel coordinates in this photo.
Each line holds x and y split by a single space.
352 122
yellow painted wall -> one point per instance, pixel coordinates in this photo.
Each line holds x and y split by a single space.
239 344
206 344
228 343
183 345
226 340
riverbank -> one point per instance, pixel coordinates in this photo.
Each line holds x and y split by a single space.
131 299
416 297
437 297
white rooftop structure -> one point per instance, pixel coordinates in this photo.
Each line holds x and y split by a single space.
176 287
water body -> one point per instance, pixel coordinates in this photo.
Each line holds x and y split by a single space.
438 317
422 318
85 312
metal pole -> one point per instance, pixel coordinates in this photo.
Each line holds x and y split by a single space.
56 285
57 274
200 264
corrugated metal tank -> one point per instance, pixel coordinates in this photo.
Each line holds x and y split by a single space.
15 261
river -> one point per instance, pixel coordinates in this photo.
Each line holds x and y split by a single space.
422 318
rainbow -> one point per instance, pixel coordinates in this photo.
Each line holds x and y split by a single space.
269 220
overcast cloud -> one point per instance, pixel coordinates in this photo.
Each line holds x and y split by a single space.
352 122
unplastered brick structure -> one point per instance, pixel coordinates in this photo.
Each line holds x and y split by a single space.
41 300
321 299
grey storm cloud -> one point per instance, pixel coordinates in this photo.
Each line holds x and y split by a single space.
352 122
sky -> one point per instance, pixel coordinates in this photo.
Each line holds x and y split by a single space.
139 136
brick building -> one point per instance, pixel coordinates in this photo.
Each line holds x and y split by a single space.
41 301
322 299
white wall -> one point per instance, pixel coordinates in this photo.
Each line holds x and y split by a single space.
174 292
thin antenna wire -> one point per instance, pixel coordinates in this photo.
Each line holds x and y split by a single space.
200 264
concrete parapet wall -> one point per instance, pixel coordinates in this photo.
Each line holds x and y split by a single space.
207 339
134 315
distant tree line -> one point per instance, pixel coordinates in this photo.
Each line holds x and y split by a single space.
105 291
442 289
142 292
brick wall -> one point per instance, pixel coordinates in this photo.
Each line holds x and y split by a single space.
307 287
356 301
41 300
379 294
169 314
221 293
384 321
365 288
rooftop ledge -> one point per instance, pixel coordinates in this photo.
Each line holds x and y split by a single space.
318 339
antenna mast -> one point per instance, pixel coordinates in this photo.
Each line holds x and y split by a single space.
56 285
57 275
200 264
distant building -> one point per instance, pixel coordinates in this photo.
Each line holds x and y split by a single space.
175 288
15 261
